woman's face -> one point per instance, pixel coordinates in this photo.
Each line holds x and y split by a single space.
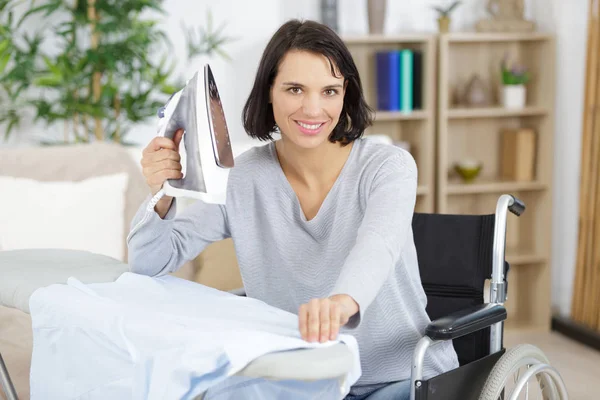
307 99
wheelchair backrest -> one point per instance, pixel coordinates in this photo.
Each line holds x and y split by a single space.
455 259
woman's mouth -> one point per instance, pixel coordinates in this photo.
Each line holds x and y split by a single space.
310 128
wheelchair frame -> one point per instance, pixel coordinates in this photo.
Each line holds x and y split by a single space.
469 379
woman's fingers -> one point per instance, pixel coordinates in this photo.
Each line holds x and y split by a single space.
335 312
303 321
160 142
314 307
160 155
325 317
320 320
162 165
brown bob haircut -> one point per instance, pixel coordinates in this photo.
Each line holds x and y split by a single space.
356 115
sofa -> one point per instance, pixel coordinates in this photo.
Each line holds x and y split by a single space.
48 206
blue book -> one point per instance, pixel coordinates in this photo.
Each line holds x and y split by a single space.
388 80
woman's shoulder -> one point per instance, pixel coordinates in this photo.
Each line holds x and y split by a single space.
376 158
252 153
251 159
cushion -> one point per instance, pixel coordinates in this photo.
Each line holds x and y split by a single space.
77 162
24 271
85 215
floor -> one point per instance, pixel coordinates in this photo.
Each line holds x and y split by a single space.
578 364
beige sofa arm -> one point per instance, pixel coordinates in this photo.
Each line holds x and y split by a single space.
217 266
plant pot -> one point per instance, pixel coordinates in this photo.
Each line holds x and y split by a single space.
376 13
444 24
513 96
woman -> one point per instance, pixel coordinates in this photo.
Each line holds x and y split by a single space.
320 218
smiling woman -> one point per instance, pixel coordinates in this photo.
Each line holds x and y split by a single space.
320 218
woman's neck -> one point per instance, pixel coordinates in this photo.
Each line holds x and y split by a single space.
312 167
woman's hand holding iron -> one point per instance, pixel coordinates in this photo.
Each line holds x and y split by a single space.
320 319
161 161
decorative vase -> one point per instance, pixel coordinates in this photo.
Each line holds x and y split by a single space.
476 93
444 24
513 96
376 12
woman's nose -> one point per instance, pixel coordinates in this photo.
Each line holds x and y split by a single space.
311 106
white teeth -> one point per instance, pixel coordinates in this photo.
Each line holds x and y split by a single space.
311 127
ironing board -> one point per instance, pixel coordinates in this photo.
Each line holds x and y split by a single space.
24 271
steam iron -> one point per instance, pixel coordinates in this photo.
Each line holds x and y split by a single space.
207 156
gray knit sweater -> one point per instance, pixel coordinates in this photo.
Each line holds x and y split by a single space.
360 243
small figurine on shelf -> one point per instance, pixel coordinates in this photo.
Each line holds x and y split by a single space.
477 93
444 16
506 16
514 78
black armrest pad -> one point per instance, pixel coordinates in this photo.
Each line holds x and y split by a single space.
465 321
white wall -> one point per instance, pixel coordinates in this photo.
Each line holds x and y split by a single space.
253 22
568 20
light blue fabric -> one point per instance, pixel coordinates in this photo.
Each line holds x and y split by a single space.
143 338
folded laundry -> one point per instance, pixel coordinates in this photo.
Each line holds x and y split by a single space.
163 337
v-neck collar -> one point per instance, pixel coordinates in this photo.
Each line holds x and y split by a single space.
290 190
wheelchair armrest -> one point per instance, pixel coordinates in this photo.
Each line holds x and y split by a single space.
466 321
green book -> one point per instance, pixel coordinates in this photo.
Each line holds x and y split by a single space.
406 80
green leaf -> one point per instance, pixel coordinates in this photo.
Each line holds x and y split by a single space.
49 80
12 124
4 59
4 45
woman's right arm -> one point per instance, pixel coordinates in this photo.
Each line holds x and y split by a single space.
160 241
163 245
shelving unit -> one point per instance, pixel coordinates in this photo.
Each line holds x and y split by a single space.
475 133
416 127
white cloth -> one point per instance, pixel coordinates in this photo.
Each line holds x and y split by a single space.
161 338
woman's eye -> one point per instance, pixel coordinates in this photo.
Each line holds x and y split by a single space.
331 92
295 90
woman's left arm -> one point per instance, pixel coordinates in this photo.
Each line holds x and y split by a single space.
380 239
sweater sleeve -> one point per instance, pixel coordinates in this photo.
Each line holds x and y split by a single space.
159 246
382 235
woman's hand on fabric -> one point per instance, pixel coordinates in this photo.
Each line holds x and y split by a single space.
321 319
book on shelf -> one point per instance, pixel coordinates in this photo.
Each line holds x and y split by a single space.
399 76
518 154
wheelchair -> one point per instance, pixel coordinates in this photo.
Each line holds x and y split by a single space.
457 254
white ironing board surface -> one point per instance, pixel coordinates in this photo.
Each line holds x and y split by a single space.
25 271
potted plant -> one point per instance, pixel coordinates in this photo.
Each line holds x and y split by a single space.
111 67
514 78
444 16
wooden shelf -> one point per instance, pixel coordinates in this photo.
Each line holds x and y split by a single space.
417 127
390 39
477 133
495 112
493 187
521 258
423 190
400 116
476 37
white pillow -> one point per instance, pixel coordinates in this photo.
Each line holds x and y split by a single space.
83 215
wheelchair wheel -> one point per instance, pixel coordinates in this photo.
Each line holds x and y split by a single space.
510 377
